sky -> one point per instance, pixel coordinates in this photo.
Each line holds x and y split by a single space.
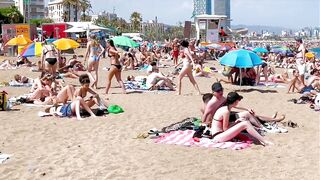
282 13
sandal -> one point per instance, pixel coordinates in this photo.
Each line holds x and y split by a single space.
142 136
290 124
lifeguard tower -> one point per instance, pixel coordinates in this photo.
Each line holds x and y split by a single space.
208 26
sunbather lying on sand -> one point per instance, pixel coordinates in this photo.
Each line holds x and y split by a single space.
65 94
22 79
6 64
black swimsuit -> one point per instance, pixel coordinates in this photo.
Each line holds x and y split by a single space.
51 61
116 65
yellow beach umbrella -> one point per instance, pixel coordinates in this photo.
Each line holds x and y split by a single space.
65 44
18 41
309 55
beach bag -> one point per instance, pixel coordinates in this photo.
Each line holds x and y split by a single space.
115 109
3 100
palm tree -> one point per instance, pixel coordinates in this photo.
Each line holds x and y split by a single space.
136 20
68 4
85 6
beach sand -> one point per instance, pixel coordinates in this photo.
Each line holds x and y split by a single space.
105 148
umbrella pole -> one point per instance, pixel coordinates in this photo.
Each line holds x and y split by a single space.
240 79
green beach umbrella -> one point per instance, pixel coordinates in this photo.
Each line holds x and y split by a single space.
124 41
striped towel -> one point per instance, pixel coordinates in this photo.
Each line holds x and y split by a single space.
185 138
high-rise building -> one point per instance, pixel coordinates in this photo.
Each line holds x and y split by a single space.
222 7
202 7
58 12
6 3
31 9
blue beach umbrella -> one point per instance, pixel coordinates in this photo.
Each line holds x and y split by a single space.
241 59
260 50
316 51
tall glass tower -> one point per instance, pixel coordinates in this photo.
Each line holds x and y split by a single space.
222 7
202 7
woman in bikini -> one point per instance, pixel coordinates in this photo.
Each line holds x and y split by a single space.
84 89
220 129
49 58
93 48
187 67
70 109
115 69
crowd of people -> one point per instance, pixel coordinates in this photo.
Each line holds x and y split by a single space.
188 61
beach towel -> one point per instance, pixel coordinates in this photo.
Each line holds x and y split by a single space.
271 84
139 86
4 157
185 138
18 84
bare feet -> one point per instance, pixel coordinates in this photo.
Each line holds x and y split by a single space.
275 115
267 143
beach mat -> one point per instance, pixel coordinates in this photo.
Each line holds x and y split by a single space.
185 138
269 84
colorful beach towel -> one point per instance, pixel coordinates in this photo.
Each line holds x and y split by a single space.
185 138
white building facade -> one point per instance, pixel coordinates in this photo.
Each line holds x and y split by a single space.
6 3
57 11
36 8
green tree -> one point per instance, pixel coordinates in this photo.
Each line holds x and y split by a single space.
68 3
136 21
15 15
85 7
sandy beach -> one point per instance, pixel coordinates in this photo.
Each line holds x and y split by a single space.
105 148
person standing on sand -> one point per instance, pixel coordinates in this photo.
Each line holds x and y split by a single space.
300 60
187 67
92 51
115 69
49 58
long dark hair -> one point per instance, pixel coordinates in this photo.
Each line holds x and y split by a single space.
111 43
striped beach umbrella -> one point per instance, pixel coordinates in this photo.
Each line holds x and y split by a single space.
31 50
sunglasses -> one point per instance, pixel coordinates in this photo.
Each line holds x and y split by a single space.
86 81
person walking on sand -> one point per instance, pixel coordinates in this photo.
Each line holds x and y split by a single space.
49 58
115 69
187 67
92 51
300 60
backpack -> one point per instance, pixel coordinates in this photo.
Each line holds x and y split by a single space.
3 101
